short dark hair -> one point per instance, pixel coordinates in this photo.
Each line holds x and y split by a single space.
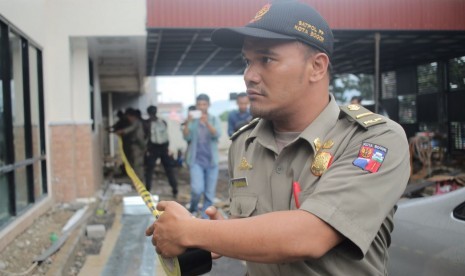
203 97
241 95
132 112
357 98
152 110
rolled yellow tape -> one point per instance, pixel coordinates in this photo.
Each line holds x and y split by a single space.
170 265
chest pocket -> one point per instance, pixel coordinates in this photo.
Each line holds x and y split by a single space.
243 206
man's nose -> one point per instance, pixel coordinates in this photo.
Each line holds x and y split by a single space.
251 75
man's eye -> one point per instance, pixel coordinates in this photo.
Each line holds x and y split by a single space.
266 59
246 62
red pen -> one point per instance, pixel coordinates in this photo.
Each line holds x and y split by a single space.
296 190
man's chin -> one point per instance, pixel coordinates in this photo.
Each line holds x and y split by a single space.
261 113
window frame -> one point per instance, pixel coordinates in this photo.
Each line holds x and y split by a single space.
27 162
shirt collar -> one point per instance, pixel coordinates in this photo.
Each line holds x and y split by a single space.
319 128
323 124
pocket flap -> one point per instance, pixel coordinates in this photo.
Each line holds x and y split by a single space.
243 205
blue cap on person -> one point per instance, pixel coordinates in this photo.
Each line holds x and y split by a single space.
283 20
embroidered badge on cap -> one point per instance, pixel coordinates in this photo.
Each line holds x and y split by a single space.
261 13
370 157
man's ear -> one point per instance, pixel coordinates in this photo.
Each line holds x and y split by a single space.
319 64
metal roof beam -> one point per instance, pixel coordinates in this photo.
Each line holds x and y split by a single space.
210 57
155 54
184 55
227 64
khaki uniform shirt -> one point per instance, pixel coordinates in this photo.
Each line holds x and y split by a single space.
360 169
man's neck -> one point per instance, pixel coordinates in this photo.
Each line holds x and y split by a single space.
305 114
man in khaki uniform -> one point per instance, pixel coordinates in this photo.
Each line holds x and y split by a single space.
313 184
133 134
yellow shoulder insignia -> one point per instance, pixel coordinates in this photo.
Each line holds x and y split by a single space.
362 116
250 125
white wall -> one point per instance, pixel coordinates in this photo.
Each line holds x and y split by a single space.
52 23
80 107
60 29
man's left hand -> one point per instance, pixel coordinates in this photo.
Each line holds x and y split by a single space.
168 232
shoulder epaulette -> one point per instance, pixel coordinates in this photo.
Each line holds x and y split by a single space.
250 125
362 116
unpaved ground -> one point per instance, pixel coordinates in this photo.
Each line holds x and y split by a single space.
18 256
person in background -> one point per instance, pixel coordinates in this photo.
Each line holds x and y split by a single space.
356 100
121 123
134 138
313 185
240 117
202 135
158 148
189 109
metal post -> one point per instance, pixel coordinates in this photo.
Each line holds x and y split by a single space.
195 88
110 123
377 73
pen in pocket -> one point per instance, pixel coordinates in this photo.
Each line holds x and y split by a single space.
296 190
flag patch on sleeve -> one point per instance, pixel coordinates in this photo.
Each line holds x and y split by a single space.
370 157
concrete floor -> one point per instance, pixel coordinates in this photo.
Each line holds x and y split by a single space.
127 252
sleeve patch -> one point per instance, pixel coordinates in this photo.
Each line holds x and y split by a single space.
370 157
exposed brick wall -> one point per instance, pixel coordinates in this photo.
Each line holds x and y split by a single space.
85 185
75 172
62 161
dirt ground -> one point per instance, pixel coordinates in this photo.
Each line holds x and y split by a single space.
17 258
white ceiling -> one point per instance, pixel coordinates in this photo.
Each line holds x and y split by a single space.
120 62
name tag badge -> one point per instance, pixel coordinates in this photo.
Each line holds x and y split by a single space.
239 182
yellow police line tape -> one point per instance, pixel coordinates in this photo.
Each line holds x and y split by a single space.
170 265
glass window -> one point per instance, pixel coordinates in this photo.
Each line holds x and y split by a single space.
17 97
407 109
427 77
38 180
459 212
21 188
344 86
34 92
388 85
21 138
2 111
457 132
2 131
4 199
457 74
35 120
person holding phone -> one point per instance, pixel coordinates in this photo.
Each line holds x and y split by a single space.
202 131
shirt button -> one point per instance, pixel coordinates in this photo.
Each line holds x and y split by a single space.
279 170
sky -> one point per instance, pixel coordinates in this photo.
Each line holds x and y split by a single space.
185 89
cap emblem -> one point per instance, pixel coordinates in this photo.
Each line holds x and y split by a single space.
261 13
